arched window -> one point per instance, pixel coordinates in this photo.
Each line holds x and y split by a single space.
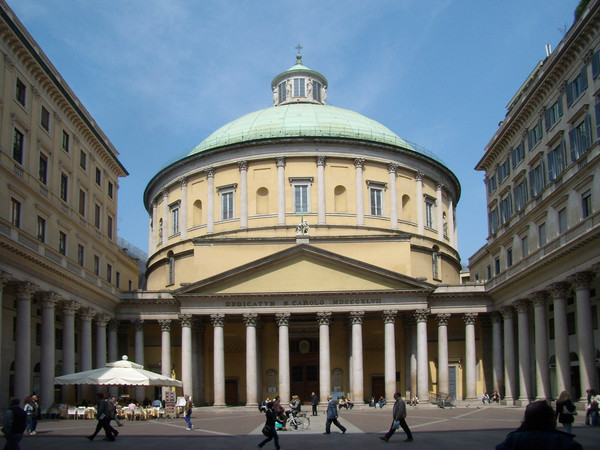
171 263
406 208
262 201
197 212
340 200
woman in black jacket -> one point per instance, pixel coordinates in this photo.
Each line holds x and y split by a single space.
269 429
565 410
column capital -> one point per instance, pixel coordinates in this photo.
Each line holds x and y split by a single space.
25 290
470 318
392 167
69 307
280 161
321 160
48 299
359 163
165 324
540 298
582 280
4 279
138 324
442 319
496 316
183 181
356 317
521 305
324 317
185 320
421 315
250 319
217 319
389 316
102 319
560 290
439 185
243 165
282 319
419 176
210 172
86 314
507 312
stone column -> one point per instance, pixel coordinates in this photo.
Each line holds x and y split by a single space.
23 340
588 373
165 351
68 351
321 190
184 210
356 318
113 391
85 350
440 211
210 200
542 372
359 165
420 203
101 322
393 197
522 307
561 337
280 190
497 351
139 354
470 356
250 319
243 165
443 373
509 354
47 361
389 329
422 357
218 321
324 319
283 322
186 353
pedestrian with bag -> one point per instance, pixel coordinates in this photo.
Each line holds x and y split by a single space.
13 425
102 415
399 414
269 429
332 416
188 412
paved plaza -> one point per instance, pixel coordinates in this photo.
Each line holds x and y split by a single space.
240 428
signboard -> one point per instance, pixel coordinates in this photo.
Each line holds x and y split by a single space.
170 403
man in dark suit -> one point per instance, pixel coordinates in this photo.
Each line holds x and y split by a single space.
399 413
102 414
315 402
332 415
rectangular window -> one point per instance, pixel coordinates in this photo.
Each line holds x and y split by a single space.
542 235
429 214
80 255
18 146
227 205
109 227
301 198
15 207
317 90
45 119
109 273
557 161
518 154
491 184
65 141
504 170
376 201
520 194
175 220
282 92
96 265
110 190
534 135
537 179
83 159
493 221
509 257
41 229
524 247
299 87
62 243
586 204
596 64
506 208
118 279
64 186
97 216
129 285
562 221
82 202
497 266
553 113
571 323
576 87
580 138
21 92
488 270
98 177
43 169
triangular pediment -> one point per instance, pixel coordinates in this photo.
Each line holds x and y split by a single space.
304 268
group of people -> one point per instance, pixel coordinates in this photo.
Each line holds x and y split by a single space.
489 399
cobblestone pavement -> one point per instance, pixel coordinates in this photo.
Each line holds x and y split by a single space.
240 428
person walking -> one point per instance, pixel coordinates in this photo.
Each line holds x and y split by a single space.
269 429
13 425
315 402
399 414
113 404
188 412
565 410
102 414
332 416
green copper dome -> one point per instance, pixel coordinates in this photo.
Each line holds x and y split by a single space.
301 120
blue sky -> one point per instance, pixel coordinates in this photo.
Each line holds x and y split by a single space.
159 76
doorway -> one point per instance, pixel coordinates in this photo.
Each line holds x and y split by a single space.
232 392
378 387
452 382
304 368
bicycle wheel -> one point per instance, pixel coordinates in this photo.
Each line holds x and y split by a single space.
294 424
305 423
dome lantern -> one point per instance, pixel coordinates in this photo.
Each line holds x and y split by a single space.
299 84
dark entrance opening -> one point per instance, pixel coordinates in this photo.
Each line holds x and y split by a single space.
232 397
304 368
378 387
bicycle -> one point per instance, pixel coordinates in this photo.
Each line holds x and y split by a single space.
298 422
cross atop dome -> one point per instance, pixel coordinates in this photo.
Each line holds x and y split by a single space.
299 55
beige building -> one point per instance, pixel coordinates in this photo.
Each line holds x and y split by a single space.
61 271
541 259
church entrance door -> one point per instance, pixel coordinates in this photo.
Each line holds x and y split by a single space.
304 365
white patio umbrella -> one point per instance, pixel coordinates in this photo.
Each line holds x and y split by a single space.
118 373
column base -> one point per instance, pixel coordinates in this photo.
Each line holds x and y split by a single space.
522 401
219 405
508 401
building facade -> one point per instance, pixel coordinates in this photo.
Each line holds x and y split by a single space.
540 263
